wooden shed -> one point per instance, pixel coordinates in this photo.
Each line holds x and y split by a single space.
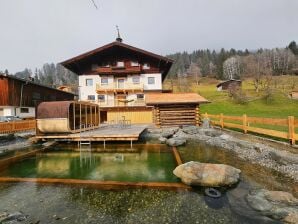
66 117
229 84
294 94
172 109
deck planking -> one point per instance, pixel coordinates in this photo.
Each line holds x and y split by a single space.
104 133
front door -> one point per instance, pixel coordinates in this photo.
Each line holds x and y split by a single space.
120 83
120 99
103 116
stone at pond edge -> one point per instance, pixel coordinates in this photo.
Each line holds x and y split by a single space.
176 141
291 218
276 204
162 140
207 174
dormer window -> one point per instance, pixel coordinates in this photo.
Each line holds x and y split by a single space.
120 64
146 66
134 64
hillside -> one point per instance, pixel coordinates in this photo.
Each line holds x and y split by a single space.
278 104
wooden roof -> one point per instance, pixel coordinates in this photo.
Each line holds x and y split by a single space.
174 98
227 81
2 76
76 64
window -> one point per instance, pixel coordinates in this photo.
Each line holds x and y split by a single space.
120 63
140 96
146 66
24 110
104 81
89 82
101 98
91 97
136 79
151 80
134 63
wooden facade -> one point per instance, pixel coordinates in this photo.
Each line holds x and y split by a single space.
24 93
105 60
173 109
140 115
67 117
176 114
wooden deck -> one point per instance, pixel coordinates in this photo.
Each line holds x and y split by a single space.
103 133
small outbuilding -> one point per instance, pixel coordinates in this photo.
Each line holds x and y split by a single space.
172 109
294 94
66 117
229 84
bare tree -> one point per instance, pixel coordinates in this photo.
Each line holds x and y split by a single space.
194 71
232 67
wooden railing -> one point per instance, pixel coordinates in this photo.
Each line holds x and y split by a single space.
17 126
283 128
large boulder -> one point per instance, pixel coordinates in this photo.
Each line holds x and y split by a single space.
176 141
278 205
207 174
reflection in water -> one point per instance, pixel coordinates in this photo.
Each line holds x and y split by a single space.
251 174
141 165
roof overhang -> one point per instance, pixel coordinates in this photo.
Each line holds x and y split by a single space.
74 64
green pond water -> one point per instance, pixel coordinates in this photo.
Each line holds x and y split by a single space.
66 204
135 165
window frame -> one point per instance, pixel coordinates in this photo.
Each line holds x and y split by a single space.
87 83
120 64
134 77
101 100
150 82
140 94
104 83
91 96
146 66
27 111
134 64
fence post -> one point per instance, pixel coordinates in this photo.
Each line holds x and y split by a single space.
13 126
244 123
221 120
291 127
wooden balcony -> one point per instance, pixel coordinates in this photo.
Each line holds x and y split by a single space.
124 87
120 103
118 70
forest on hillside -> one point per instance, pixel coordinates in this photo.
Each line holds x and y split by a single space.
227 64
260 64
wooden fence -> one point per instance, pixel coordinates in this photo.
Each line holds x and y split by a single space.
17 126
258 125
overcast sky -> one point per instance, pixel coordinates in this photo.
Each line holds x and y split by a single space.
33 32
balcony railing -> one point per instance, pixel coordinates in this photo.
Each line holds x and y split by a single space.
120 103
117 69
120 86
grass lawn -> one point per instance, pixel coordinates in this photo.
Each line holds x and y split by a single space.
280 106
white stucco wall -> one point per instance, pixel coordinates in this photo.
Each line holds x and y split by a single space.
25 115
16 111
158 82
84 90
8 111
